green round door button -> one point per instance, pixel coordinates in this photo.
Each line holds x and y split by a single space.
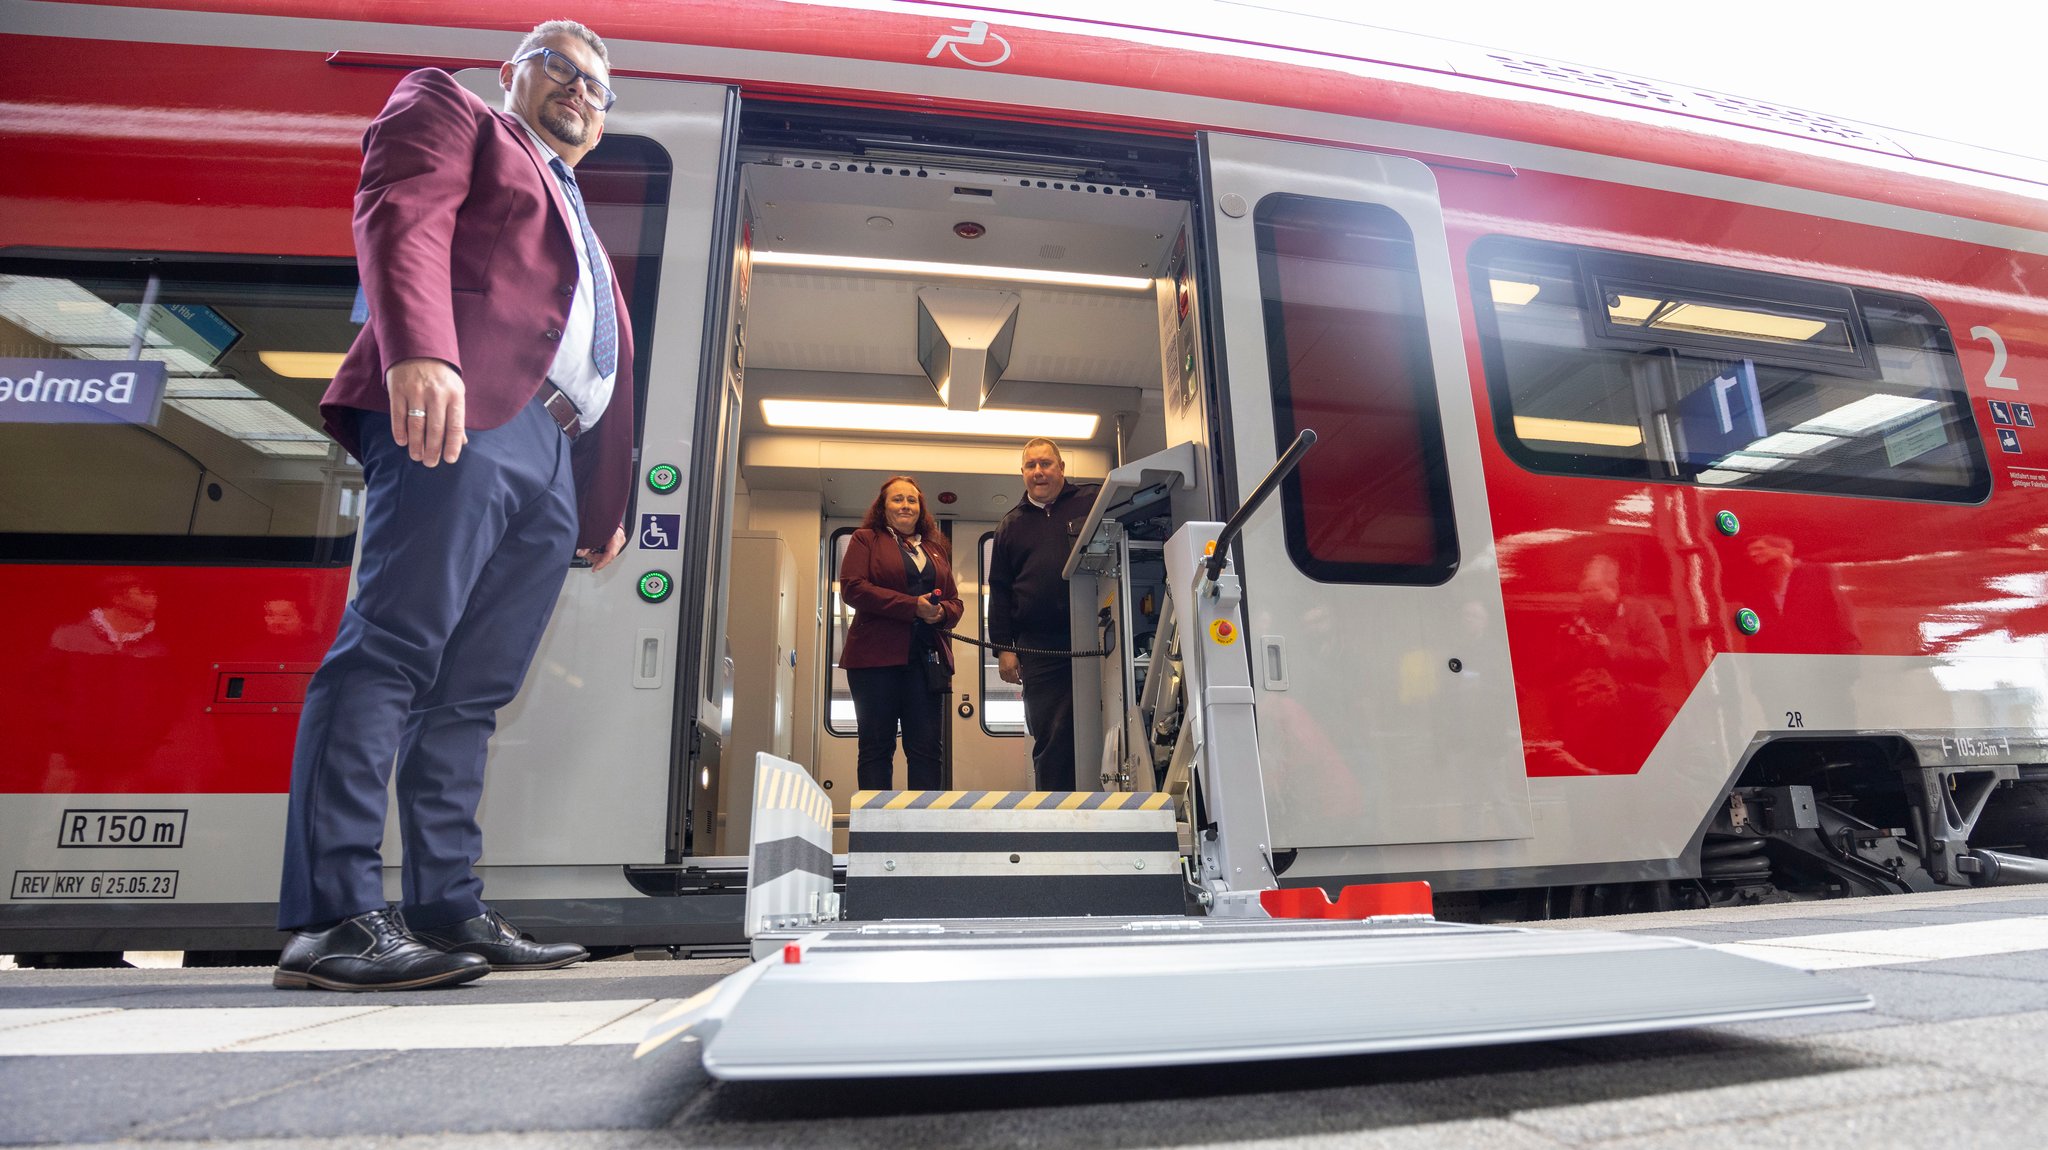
656 586
1747 621
1727 522
664 478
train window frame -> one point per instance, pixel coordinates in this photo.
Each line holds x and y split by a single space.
642 169
1662 458
296 279
835 556
1428 482
984 549
626 171
1605 273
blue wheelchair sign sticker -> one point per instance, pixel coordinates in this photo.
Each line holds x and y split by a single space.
660 532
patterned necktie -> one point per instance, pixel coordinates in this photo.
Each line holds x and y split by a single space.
604 342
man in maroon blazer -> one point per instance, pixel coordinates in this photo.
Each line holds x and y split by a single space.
489 399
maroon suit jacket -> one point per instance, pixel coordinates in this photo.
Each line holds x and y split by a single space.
872 583
463 244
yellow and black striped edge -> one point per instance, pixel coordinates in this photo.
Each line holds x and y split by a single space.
780 790
1011 801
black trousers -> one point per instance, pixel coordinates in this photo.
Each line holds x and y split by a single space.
1049 716
883 699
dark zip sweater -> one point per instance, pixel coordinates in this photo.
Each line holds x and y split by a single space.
1027 597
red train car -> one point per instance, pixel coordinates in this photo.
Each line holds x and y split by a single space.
1675 535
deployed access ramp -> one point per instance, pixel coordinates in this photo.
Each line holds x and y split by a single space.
982 996
919 996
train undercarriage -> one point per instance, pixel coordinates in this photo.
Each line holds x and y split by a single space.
1822 819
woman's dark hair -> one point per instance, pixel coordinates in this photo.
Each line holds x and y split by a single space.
927 527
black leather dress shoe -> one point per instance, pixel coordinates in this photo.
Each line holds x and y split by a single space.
371 951
501 943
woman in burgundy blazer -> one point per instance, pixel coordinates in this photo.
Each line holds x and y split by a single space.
898 578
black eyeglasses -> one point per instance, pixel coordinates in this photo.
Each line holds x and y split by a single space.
564 71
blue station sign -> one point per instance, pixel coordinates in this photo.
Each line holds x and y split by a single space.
81 391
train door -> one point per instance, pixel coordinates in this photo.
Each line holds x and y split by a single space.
837 727
582 766
920 298
704 660
1374 620
711 802
991 751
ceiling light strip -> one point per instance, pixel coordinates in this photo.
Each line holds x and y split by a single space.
821 262
993 422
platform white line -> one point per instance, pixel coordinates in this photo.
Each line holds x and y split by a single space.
270 1029
493 1025
12 1019
170 1031
628 1029
1851 948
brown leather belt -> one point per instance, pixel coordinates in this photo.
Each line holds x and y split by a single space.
564 410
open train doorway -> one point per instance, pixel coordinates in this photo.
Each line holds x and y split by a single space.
919 297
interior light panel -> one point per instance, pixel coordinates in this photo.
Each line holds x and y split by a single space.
962 271
992 422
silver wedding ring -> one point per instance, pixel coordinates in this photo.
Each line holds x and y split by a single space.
418 413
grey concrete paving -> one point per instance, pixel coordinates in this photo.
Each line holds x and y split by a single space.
1953 1056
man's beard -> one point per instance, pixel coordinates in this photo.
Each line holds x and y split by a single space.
567 126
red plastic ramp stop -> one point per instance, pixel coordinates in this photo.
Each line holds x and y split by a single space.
1362 901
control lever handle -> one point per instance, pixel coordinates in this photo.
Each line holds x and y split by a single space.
1282 468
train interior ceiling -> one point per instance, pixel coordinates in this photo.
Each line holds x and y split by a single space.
816 330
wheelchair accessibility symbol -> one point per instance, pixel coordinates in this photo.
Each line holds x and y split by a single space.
980 42
659 532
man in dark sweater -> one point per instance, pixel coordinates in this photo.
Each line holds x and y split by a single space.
1027 606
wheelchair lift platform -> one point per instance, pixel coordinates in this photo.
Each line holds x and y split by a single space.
956 995
929 990
1004 996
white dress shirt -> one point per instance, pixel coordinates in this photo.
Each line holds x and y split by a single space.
573 370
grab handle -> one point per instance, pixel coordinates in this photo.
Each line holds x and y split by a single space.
1281 469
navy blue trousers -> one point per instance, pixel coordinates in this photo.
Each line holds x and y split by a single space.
459 567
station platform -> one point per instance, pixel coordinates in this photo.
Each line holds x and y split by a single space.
174 1057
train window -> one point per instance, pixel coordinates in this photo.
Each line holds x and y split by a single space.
230 465
839 697
1640 368
1002 704
625 182
1348 355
